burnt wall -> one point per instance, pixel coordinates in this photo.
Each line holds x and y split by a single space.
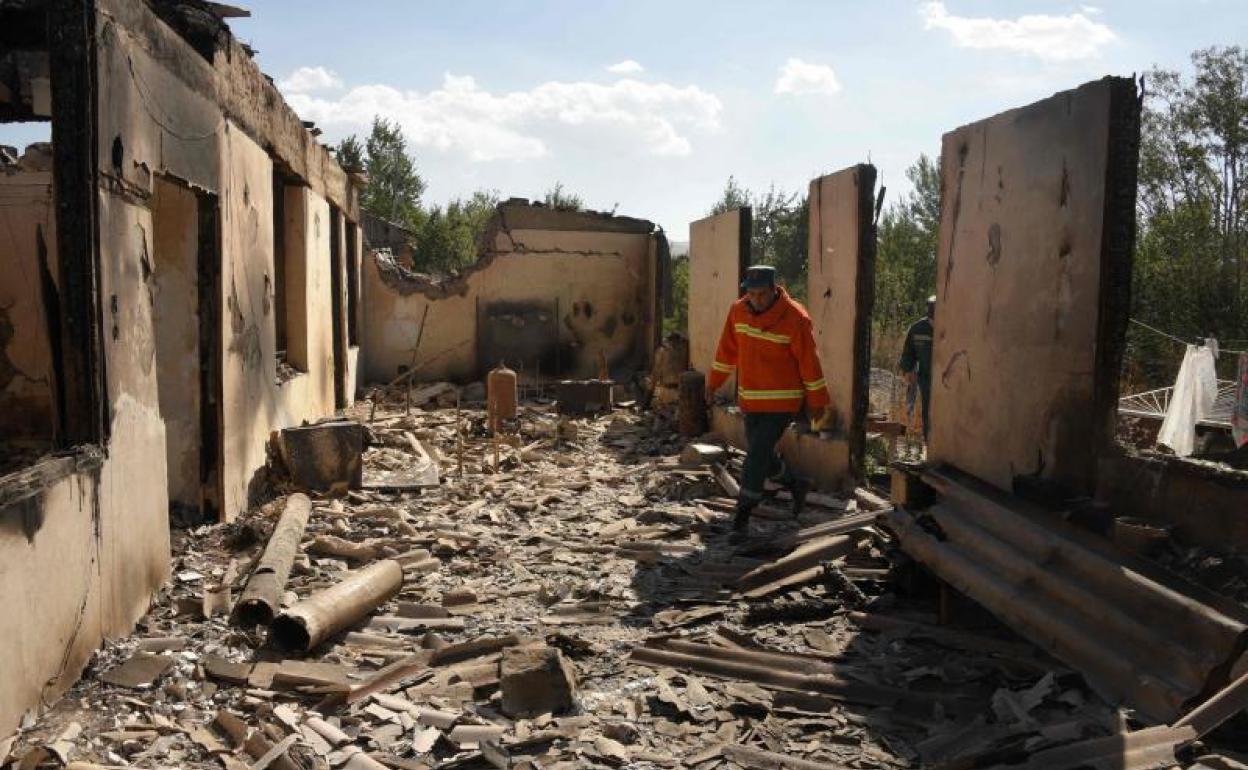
1033 272
549 302
841 295
719 252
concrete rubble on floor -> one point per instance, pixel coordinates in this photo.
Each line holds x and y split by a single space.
569 599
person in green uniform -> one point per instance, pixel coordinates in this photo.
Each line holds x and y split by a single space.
916 360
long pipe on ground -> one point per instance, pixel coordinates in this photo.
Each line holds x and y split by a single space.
316 618
840 689
263 595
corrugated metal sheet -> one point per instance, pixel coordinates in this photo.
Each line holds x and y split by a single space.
1140 635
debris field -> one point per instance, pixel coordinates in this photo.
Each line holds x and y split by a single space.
567 597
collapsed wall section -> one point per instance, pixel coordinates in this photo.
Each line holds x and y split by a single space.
548 298
1033 274
841 290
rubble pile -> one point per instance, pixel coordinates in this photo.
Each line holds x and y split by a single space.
565 596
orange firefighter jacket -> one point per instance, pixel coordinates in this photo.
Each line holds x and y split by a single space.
773 353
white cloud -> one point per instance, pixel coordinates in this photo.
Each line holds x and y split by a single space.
461 117
1056 38
1091 10
308 79
626 67
800 77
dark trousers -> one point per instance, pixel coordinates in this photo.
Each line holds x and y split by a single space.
762 431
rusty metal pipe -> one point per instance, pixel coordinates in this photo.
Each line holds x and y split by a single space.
316 618
797 664
840 689
263 595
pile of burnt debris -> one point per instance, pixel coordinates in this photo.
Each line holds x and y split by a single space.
423 594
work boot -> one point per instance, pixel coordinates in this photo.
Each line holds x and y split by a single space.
798 491
740 526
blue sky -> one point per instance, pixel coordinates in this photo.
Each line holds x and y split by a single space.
514 96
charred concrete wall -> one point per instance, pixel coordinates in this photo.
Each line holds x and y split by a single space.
841 295
1204 502
160 122
1036 233
719 252
173 148
554 293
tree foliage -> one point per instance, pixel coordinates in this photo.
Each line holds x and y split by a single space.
780 224
447 237
560 199
905 263
1191 260
394 186
679 320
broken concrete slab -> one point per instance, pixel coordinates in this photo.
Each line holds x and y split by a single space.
698 455
582 397
140 671
535 681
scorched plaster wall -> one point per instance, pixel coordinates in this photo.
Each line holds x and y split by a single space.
552 301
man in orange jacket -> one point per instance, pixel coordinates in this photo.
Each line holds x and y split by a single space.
768 341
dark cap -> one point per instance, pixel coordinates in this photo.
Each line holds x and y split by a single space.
758 276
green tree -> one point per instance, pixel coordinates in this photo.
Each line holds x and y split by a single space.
394 186
780 224
350 154
679 320
1191 260
449 239
560 199
734 197
905 262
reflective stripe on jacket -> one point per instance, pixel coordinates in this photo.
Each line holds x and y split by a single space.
773 353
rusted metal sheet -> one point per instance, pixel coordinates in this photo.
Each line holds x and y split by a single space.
1139 635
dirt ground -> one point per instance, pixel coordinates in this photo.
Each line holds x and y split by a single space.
588 547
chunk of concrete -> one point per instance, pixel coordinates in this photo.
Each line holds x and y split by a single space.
701 455
580 397
535 681
325 456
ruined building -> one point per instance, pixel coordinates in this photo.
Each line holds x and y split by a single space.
554 294
187 274
180 278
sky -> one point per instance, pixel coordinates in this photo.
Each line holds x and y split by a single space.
646 107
